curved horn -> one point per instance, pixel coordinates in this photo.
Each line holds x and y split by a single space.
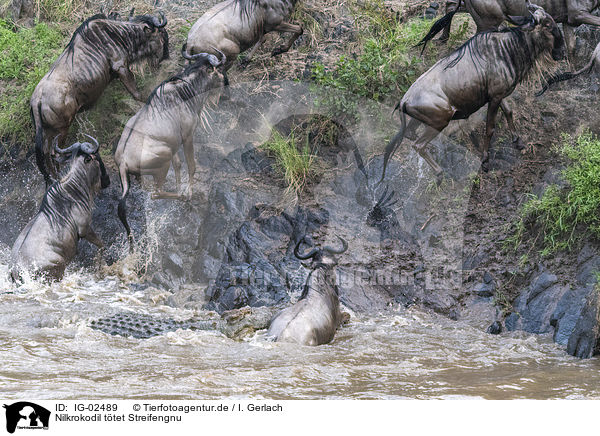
223 57
163 20
186 55
198 56
339 250
88 148
69 149
311 253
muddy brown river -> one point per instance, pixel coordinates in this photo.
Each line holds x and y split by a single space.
47 351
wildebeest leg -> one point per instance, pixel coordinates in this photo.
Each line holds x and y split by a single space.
420 146
246 60
508 113
287 27
92 237
188 150
177 169
490 127
122 209
159 180
128 80
569 32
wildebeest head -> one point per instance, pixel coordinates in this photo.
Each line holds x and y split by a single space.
205 63
155 30
86 156
545 29
325 256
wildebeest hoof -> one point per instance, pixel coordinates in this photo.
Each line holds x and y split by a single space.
439 178
518 143
244 62
278 51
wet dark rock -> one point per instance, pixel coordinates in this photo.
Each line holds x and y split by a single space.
454 315
487 288
535 306
431 11
162 280
471 262
495 328
503 156
584 342
253 272
567 313
254 160
484 289
588 265
174 263
488 278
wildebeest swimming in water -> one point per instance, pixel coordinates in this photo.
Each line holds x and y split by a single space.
314 319
49 241
100 50
490 14
233 26
168 120
485 70
593 63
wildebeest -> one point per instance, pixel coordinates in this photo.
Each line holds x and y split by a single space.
593 63
233 26
168 120
490 14
100 50
314 319
486 69
49 241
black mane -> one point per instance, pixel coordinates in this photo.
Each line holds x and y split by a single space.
515 50
184 89
116 34
57 205
246 7
516 45
83 27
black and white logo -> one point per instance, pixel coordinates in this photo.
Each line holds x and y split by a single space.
26 415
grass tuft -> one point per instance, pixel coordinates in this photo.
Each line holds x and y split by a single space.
293 160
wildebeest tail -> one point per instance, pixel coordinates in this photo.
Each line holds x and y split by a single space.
40 158
395 142
437 27
561 77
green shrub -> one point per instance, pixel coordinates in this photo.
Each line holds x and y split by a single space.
26 55
386 65
565 215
